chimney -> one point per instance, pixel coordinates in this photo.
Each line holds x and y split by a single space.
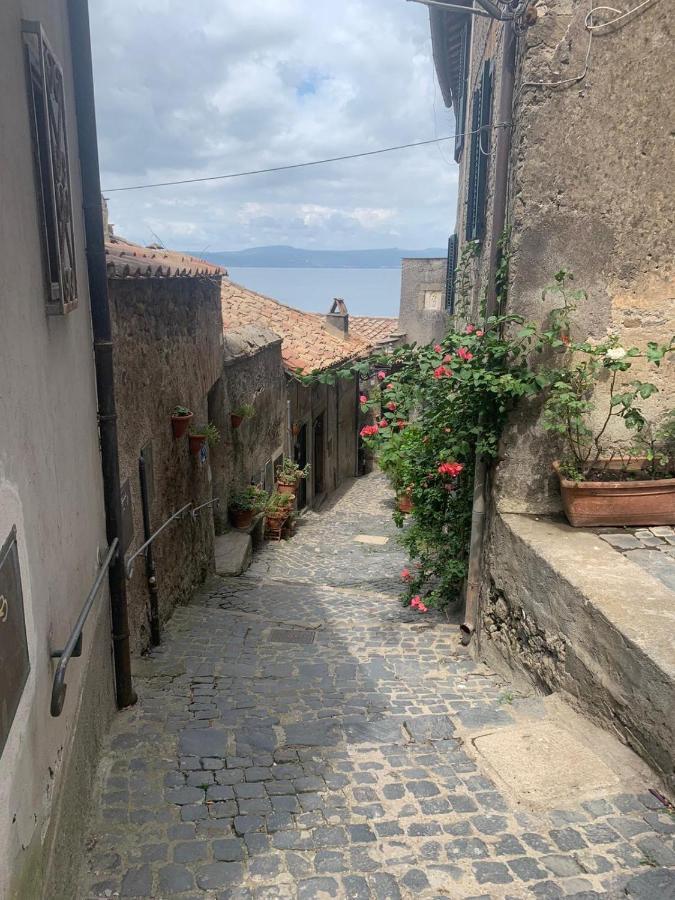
107 224
337 320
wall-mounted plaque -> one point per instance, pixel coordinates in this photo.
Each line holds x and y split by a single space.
13 646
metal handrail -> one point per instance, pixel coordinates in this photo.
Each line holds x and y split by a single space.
215 501
74 643
130 561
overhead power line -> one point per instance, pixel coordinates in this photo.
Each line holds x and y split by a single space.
315 162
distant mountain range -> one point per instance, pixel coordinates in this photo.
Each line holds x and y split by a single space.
281 257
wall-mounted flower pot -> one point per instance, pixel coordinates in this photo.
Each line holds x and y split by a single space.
236 420
404 502
241 518
629 502
180 424
197 441
288 488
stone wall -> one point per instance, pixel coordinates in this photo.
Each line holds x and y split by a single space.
588 167
422 315
167 336
253 373
337 404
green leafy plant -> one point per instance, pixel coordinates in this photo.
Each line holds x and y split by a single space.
289 472
245 411
278 503
209 431
251 497
181 411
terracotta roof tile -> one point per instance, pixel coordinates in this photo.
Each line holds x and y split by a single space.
373 328
306 342
127 260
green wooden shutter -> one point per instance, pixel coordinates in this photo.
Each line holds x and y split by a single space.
450 275
474 161
481 119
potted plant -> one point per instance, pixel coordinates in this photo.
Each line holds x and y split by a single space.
180 420
277 509
404 501
619 466
245 503
289 475
245 411
202 435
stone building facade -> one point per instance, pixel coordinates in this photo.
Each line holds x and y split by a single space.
52 515
423 312
168 352
567 154
322 420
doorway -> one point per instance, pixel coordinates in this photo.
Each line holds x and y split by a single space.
300 457
319 455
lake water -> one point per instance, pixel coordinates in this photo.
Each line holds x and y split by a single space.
367 292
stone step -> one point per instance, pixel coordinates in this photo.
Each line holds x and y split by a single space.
233 551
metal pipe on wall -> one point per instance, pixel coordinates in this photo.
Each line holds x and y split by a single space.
78 14
481 472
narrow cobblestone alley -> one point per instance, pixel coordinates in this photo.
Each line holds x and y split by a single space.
299 734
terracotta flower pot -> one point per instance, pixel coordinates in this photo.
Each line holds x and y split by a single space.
404 503
287 488
197 441
241 518
236 420
180 424
645 502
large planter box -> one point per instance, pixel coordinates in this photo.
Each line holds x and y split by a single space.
589 503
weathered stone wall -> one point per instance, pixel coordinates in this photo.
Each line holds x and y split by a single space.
167 336
561 611
422 285
338 405
590 164
253 373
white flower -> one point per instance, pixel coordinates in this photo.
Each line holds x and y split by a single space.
615 353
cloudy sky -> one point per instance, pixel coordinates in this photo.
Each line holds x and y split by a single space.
187 90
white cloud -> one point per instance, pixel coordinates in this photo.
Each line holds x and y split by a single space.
247 86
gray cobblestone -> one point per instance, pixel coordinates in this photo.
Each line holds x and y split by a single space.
334 768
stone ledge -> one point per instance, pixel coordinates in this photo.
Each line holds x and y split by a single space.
232 551
573 615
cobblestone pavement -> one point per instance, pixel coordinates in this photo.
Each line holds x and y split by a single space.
299 735
653 549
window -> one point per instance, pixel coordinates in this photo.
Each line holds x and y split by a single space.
481 118
460 101
48 123
450 275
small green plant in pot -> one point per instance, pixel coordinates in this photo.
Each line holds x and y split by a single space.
246 503
245 411
289 474
181 417
201 435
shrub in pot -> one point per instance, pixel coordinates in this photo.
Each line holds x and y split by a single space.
181 417
279 506
289 475
245 503
245 411
201 435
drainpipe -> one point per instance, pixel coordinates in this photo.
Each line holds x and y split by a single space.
102 332
502 155
150 571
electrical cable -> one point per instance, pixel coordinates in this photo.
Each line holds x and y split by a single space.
316 162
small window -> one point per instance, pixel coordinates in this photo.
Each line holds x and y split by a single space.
450 275
481 118
46 101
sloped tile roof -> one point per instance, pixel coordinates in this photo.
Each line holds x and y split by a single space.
127 260
373 328
306 342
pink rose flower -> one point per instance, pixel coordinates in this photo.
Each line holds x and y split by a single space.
465 354
363 399
381 375
405 574
415 602
469 329
391 406
480 333
390 387
422 608
438 348
383 423
368 430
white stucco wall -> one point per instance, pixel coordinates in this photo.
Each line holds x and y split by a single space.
50 474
